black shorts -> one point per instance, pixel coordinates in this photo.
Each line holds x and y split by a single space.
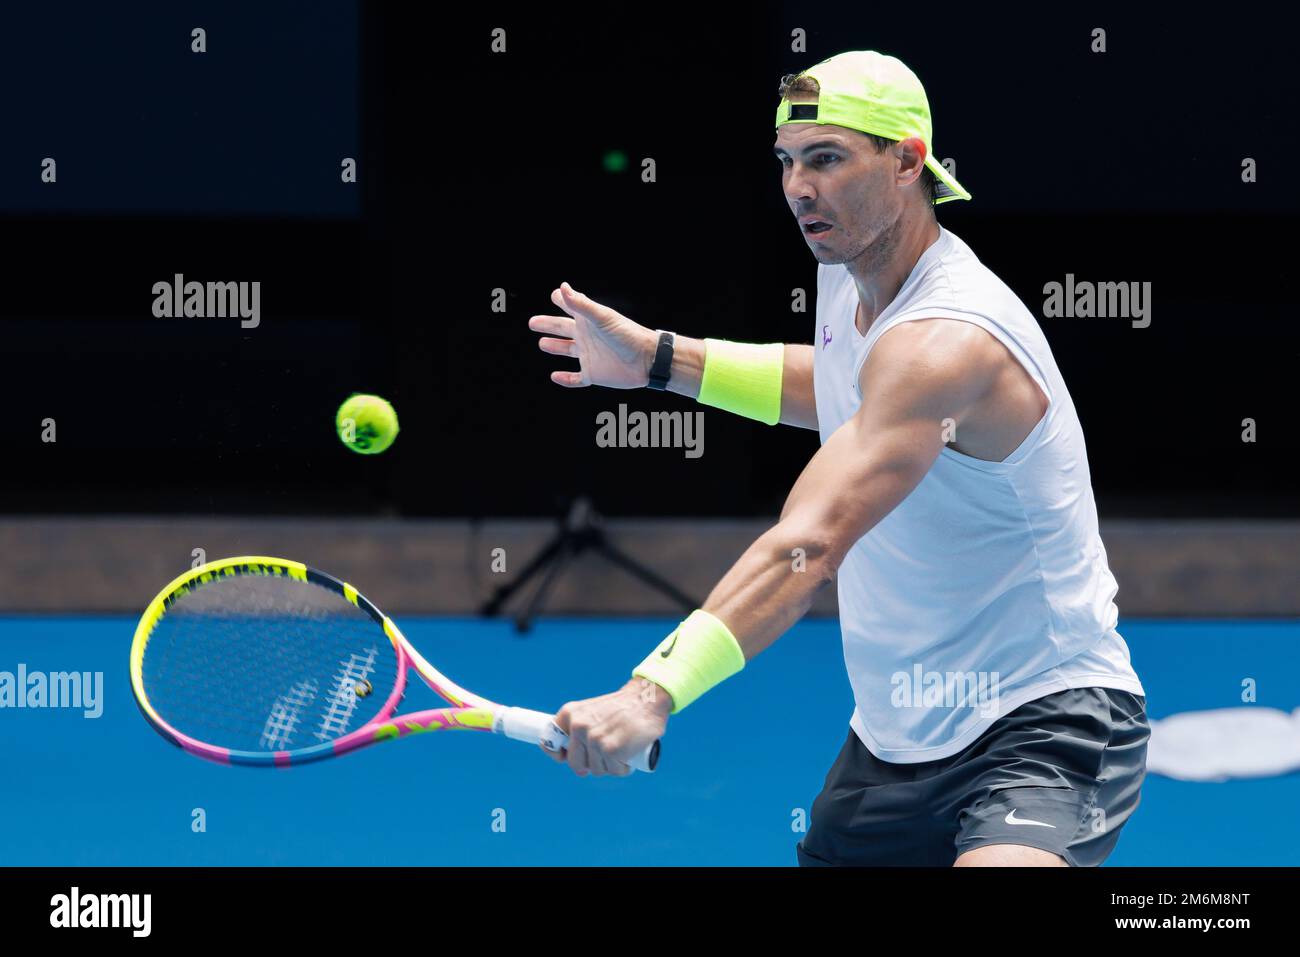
1061 773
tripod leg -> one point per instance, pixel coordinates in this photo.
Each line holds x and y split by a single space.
564 554
502 593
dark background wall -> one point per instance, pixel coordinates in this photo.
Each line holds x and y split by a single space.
482 171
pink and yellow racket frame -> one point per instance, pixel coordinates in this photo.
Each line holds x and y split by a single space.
468 712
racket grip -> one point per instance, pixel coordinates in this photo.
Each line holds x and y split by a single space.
536 727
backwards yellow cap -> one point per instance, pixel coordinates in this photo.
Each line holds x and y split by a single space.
867 91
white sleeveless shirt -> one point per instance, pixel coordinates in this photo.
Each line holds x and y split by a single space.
987 586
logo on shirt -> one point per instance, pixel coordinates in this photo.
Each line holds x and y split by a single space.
826 336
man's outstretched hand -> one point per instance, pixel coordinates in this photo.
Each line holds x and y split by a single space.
611 349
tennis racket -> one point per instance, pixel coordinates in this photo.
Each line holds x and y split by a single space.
266 662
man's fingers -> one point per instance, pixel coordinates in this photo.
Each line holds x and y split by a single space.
563 718
613 766
554 326
573 301
570 380
576 304
558 347
577 756
594 743
558 297
559 757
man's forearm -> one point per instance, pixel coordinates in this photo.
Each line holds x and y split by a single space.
772 586
798 404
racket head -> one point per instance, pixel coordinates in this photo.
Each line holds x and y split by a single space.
265 662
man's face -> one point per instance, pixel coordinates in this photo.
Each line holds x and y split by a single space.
842 192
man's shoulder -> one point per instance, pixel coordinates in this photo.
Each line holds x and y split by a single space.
941 351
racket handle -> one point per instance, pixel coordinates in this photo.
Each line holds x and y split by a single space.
535 727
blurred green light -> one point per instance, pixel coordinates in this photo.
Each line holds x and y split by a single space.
615 161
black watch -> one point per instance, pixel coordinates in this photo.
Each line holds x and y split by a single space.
662 368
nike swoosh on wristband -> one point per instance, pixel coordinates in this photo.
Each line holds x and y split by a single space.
669 650
1012 819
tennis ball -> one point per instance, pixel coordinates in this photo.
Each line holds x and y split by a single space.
366 424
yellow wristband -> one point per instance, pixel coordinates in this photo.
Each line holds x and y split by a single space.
744 378
700 653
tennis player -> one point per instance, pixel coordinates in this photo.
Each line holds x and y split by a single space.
997 720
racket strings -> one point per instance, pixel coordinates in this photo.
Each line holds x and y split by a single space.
262 663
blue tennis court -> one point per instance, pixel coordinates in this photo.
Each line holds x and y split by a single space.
739 768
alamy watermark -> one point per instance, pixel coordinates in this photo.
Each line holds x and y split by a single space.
128 911
1098 300
651 430
946 689
55 689
179 299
